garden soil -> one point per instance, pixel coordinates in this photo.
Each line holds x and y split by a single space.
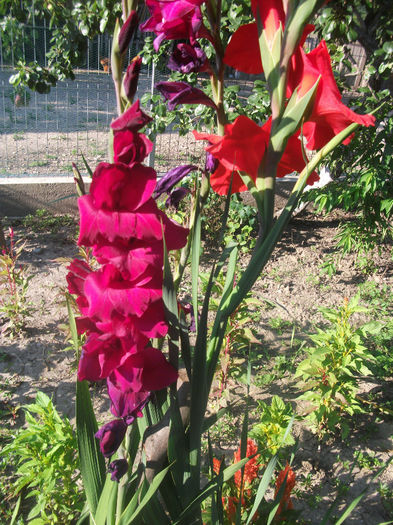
290 291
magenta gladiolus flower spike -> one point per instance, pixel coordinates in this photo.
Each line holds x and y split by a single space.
175 20
188 59
133 119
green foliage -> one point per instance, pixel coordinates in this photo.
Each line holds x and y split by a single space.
270 432
44 453
68 24
371 24
379 298
44 221
366 190
14 284
242 222
330 373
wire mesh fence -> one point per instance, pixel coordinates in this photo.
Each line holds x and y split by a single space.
44 134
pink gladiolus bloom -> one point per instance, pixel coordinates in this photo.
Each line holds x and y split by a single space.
118 187
127 30
133 119
187 59
130 384
111 435
132 257
130 147
106 291
102 354
174 20
329 115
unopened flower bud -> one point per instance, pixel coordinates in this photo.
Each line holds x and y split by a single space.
111 435
117 469
130 82
127 30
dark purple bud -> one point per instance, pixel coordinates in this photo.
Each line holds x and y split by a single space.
175 175
131 77
117 469
187 59
111 435
181 93
211 163
127 30
133 119
176 196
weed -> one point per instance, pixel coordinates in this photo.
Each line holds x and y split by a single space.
330 372
45 457
19 135
13 288
368 461
38 163
43 220
271 429
279 325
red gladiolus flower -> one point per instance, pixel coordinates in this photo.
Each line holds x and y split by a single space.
242 149
329 115
174 20
251 468
286 503
242 52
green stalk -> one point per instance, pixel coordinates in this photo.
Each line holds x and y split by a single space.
263 252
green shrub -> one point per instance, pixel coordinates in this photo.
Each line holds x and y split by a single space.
330 373
45 458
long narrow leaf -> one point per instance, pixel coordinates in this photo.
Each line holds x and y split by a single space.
195 255
108 492
129 513
92 463
263 485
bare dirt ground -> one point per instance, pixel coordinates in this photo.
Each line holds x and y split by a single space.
39 360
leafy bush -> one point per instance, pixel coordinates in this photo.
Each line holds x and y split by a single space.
362 185
44 453
330 373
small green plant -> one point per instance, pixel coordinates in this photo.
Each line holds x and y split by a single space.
330 373
44 454
43 220
269 433
13 288
242 224
279 325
